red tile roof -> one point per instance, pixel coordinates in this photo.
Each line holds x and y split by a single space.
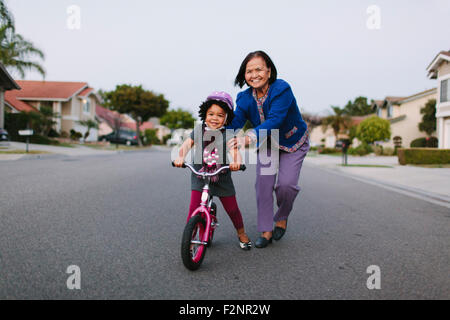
109 116
146 125
85 92
10 98
49 89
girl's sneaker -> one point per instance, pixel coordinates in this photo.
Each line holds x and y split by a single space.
245 245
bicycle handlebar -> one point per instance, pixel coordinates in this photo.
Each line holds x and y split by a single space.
206 174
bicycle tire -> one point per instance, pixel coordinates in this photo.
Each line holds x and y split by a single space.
194 229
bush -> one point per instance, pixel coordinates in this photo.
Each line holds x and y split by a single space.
431 142
329 150
381 151
151 137
75 135
373 129
361 150
423 156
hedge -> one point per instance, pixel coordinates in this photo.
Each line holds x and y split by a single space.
431 142
423 156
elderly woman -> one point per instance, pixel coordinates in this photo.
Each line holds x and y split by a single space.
269 104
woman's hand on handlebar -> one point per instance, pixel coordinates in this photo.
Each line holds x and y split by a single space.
238 142
235 166
179 162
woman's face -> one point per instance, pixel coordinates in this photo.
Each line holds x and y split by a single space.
215 117
257 73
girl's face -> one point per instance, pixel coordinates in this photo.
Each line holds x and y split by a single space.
257 74
215 117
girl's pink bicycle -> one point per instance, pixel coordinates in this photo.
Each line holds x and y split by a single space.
199 231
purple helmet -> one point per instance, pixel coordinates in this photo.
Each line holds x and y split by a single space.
221 96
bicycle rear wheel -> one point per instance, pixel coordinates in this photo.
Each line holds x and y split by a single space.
192 249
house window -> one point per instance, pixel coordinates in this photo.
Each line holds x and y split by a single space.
445 90
389 111
86 106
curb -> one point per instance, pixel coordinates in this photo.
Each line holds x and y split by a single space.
434 198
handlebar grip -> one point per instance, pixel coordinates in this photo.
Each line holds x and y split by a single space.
242 167
173 164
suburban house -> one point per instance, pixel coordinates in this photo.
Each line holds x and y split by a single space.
6 83
73 101
109 120
404 115
327 138
439 69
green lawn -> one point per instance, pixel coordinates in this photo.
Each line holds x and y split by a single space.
431 165
23 152
365 165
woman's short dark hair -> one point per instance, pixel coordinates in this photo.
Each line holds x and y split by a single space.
240 78
207 104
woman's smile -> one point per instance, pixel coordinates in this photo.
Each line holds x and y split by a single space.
257 74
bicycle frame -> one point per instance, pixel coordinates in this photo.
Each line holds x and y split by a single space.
205 205
199 231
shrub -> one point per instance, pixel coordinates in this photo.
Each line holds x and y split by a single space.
382 151
431 142
151 137
423 156
329 150
373 129
75 135
361 150
388 151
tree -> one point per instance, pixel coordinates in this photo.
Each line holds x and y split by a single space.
311 120
339 121
178 119
428 124
373 129
6 17
15 50
358 107
140 104
46 119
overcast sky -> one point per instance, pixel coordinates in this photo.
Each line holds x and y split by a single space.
186 49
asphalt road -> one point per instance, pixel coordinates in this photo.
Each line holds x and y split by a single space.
119 218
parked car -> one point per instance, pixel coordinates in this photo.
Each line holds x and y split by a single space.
4 136
123 137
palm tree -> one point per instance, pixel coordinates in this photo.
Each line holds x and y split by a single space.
339 121
15 50
5 16
89 124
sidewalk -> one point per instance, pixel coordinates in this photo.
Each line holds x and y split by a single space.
431 184
75 151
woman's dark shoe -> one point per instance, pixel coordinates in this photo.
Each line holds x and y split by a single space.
278 232
262 242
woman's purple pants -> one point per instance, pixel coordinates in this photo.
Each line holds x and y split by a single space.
286 187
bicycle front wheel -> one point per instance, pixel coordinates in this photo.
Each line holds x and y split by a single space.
192 249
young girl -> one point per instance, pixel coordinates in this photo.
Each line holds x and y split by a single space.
216 112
